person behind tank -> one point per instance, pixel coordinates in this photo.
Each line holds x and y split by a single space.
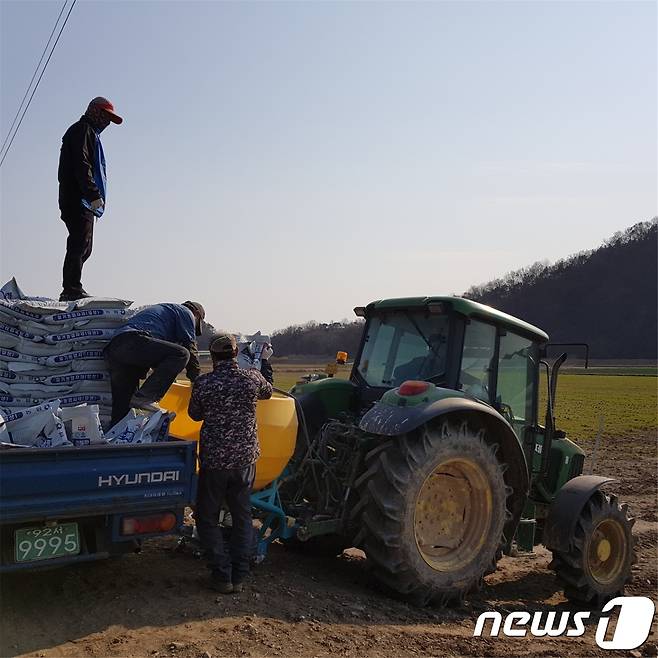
225 400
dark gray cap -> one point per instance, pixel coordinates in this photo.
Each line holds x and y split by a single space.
195 307
224 344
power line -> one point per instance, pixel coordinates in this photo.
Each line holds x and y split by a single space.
34 75
45 66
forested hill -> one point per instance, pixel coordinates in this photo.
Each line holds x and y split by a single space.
606 297
318 339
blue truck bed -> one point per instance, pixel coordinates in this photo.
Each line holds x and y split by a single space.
102 499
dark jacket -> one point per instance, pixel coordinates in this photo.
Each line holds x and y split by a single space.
225 400
266 371
77 166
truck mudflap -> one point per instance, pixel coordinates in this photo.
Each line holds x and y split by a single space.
566 508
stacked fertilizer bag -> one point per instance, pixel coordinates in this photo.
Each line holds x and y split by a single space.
54 384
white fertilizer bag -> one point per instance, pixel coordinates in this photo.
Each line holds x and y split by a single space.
250 350
9 377
94 398
10 309
42 391
12 336
11 403
139 428
108 316
100 303
7 318
33 370
42 306
12 293
99 365
11 290
12 355
128 429
79 335
67 379
157 428
38 427
31 349
91 387
40 329
83 425
74 358
4 432
72 378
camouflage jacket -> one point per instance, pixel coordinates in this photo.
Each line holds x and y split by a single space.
225 400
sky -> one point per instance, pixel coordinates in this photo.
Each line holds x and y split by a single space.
286 161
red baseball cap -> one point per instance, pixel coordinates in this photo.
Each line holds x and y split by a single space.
106 105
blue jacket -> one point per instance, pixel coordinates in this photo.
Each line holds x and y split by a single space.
171 322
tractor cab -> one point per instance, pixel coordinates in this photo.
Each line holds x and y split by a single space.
455 344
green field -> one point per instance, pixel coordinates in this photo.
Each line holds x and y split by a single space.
285 375
628 404
638 371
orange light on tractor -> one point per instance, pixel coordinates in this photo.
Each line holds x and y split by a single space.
341 358
147 525
413 387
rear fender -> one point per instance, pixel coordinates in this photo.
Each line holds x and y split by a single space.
564 511
394 420
388 420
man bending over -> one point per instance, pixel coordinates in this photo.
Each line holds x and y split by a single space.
161 337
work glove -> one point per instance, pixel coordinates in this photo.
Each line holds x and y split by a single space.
267 352
96 206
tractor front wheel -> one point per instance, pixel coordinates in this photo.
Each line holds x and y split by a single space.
431 511
598 564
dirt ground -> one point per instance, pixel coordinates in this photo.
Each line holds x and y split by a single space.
153 605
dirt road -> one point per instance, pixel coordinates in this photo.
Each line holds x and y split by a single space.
152 604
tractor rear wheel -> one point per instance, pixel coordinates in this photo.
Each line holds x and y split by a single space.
431 511
598 564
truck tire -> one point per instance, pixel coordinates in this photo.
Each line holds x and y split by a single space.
431 512
598 564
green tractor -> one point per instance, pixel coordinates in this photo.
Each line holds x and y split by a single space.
432 460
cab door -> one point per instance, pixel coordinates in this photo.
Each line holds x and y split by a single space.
517 381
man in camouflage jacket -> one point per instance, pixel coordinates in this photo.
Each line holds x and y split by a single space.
225 400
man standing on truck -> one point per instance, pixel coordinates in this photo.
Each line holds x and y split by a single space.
82 180
225 400
161 337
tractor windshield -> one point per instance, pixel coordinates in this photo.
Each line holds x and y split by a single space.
404 345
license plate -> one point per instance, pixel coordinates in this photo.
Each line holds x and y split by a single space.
45 543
